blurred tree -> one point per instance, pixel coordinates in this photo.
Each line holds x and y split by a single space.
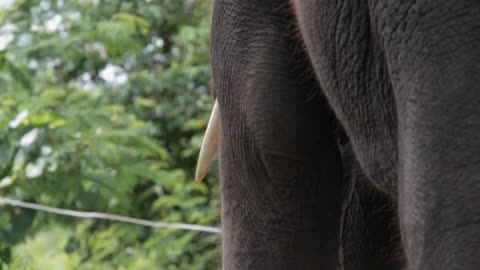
102 108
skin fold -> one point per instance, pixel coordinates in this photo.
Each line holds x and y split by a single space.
350 135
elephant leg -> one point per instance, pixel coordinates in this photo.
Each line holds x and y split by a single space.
280 166
433 54
349 66
370 236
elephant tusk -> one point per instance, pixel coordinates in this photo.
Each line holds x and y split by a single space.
209 145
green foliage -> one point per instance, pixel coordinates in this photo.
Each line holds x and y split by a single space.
102 108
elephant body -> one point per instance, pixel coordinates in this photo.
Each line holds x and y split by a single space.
350 133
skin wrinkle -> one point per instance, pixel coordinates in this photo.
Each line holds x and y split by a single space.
384 182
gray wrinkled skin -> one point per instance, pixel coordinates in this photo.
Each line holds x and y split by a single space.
350 133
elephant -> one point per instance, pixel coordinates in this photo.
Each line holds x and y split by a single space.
348 133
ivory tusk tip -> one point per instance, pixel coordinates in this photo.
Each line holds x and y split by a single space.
199 176
209 145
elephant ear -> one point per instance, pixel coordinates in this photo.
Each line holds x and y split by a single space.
209 144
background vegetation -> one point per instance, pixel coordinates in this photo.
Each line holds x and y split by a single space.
102 108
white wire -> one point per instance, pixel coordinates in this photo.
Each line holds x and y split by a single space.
97 215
